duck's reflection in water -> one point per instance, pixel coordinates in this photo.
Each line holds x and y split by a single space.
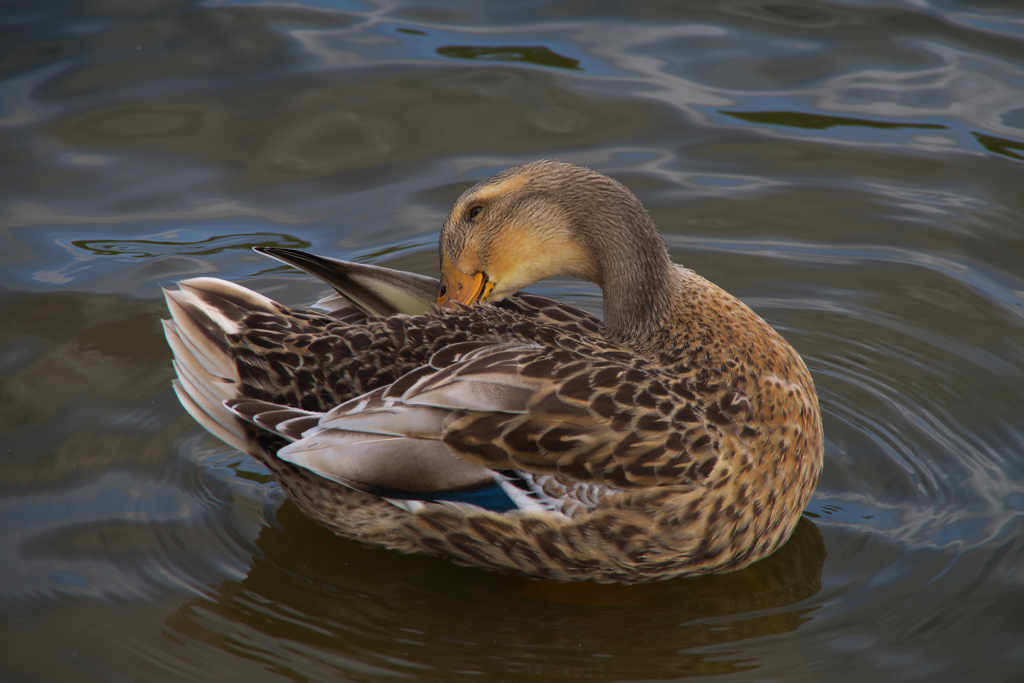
314 604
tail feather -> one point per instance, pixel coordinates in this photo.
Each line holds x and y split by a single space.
185 350
205 419
204 312
378 448
209 395
226 299
198 336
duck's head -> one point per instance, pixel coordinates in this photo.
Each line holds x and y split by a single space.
542 219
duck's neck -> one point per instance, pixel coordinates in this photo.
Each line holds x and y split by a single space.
636 275
636 302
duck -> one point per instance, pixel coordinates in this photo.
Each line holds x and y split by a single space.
678 434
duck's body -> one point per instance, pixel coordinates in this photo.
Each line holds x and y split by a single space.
680 435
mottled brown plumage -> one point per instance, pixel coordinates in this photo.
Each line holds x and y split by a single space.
678 435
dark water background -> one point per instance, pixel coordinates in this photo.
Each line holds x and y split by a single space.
852 170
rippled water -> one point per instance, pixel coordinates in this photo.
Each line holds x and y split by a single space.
852 170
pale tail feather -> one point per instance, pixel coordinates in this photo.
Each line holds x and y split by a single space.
207 421
203 312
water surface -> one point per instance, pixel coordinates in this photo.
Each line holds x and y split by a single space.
852 170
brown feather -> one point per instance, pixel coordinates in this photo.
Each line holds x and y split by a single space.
680 434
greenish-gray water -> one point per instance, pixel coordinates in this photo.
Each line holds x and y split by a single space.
853 170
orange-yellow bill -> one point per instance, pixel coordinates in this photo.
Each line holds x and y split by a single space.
458 287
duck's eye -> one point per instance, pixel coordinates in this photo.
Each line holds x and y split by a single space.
475 211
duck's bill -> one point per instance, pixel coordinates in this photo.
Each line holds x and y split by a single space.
457 287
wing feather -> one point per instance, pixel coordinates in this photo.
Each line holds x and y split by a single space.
380 463
374 290
572 407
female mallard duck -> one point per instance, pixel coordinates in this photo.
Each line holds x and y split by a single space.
678 435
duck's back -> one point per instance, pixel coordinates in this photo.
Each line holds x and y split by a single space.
620 464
